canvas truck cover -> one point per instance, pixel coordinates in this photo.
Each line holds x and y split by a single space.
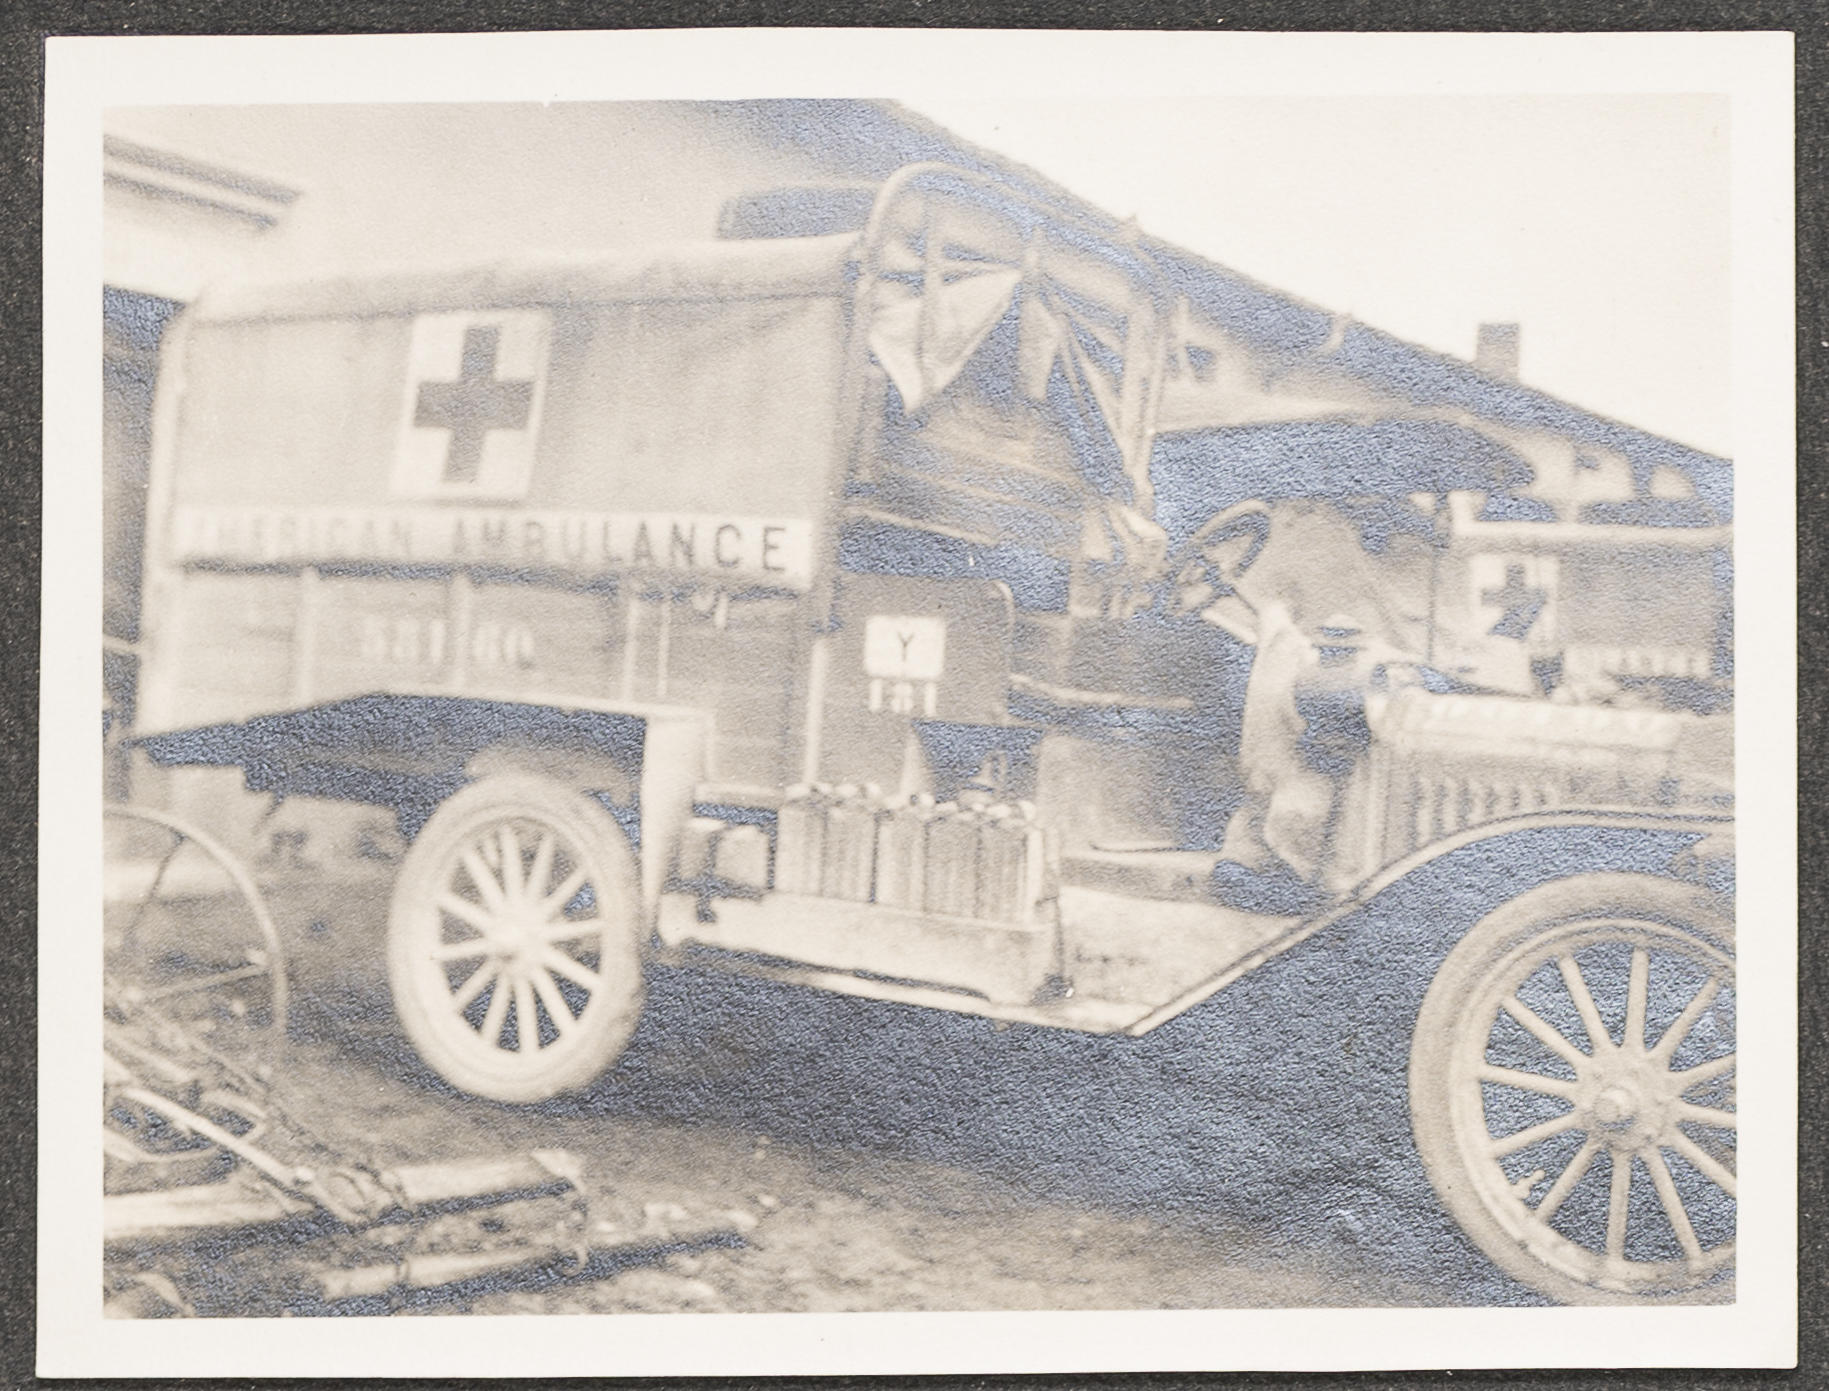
673 385
669 417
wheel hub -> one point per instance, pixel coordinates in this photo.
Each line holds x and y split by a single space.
1615 1109
514 939
1629 1100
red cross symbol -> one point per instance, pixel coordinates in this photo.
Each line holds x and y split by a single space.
1522 603
476 403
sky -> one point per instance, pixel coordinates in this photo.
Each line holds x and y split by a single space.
1597 223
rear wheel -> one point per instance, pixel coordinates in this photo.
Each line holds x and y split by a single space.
513 940
1572 1082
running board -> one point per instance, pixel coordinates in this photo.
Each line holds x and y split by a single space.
1125 964
1081 1014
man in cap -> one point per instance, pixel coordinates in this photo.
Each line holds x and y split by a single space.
1299 583
1304 729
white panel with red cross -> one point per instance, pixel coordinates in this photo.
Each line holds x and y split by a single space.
470 420
1513 597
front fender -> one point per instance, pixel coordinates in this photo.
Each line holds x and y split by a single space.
1441 890
1520 852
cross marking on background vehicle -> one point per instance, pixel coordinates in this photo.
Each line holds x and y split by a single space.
1522 603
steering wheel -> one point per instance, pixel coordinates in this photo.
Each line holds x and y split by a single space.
1208 566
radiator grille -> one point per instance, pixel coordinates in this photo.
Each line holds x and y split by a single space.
1442 764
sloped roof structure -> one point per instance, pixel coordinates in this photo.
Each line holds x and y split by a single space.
873 139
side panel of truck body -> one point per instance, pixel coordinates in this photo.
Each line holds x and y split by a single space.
646 534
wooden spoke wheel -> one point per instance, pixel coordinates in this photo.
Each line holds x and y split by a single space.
1572 1084
513 940
186 932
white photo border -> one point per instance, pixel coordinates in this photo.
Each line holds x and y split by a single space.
86 75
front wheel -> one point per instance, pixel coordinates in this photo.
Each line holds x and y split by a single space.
513 940
1572 1083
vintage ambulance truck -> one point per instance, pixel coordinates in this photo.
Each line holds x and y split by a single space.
874 610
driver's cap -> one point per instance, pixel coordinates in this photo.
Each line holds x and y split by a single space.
1337 639
1342 629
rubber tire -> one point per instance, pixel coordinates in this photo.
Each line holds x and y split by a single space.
1634 897
607 1025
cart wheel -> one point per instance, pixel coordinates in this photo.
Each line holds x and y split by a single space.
513 940
1572 1085
185 930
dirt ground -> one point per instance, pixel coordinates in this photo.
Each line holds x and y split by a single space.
821 1223
832 1230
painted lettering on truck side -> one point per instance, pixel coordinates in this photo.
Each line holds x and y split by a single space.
772 551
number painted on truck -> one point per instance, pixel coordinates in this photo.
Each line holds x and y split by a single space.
411 641
403 640
494 646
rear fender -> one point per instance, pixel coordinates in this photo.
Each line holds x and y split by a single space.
409 752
